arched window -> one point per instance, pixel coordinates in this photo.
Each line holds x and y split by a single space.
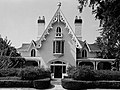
84 53
33 53
58 32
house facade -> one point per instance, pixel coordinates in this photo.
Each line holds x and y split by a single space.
58 46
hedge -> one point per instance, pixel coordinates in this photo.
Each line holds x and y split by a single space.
87 74
34 73
16 83
42 83
78 84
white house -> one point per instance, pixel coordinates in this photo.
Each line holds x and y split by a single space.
59 47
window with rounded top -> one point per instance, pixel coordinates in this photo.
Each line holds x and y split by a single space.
33 53
84 53
58 32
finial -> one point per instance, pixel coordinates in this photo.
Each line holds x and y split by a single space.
43 18
59 4
76 17
39 17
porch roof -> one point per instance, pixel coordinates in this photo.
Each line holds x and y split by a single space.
94 59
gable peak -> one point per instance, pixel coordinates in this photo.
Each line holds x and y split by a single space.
59 4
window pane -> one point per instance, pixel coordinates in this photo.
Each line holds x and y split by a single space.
57 46
64 69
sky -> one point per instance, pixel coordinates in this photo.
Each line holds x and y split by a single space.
18 19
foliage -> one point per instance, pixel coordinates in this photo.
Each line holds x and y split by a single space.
6 49
33 73
71 84
86 73
42 83
11 62
108 13
7 72
81 72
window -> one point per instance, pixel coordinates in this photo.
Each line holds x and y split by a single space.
58 46
78 53
84 53
58 32
33 53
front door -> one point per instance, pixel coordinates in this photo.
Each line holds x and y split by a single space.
58 72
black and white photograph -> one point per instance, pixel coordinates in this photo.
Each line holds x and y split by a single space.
59 44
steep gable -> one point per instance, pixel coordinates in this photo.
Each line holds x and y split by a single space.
58 17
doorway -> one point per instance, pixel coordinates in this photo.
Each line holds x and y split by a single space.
58 68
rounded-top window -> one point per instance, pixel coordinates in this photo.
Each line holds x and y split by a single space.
84 53
58 32
33 53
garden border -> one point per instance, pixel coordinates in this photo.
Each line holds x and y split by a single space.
26 83
77 84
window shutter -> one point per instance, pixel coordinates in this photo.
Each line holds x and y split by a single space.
53 46
62 46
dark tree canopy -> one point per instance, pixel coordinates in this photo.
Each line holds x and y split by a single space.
6 49
108 13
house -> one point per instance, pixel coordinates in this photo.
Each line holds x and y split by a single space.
59 47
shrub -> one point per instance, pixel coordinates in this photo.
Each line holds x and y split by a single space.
11 62
86 73
107 75
42 83
33 73
9 72
81 73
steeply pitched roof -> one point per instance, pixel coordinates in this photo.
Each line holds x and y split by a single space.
81 43
91 47
58 17
94 47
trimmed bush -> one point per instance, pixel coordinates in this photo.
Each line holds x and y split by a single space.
42 83
33 73
87 74
78 84
16 83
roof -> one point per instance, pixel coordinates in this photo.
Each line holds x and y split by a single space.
91 47
96 59
24 47
58 17
94 47
81 42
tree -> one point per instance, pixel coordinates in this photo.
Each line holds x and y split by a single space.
9 58
6 49
108 13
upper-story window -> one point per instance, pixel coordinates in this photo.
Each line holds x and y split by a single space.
58 47
84 53
33 53
58 32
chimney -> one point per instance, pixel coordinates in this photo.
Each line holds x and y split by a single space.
78 27
41 26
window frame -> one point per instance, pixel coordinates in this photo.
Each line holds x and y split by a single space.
33 53
58 49
58 32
